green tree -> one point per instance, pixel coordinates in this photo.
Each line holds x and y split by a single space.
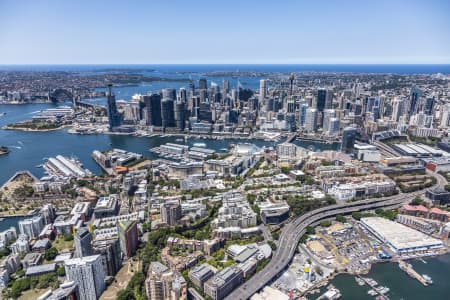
310 230
356 215
61 271
341 218
275 235
51 253
125 294
325 223
417 201
379 211
272 245
68 237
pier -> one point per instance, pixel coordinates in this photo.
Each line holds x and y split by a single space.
411 272
109 171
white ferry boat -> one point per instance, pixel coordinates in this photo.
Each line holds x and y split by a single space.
331 294
199 145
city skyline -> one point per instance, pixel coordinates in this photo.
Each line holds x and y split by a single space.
227 150
323 32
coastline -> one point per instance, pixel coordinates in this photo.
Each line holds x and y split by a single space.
13 216
24 103
34 130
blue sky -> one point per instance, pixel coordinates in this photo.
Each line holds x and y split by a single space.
227 31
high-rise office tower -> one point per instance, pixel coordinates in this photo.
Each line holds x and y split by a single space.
169 94
324 100
311 119
327 115
357 108
88 273
290 105
445 115
170 213
82 241
131 113
191 89
371 102
128 237
333 127
302 115
202 84
290 121
225 86
262 90
321 99
114 117
428 108
153 107
397 109
291 85
183 95
167 113
234 96
180 115
414 100
204 112
376 112
203 95
348 139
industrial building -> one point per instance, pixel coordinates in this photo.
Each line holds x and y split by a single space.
400 238
367 153
417 150
65 167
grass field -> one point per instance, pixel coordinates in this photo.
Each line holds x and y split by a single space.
60 244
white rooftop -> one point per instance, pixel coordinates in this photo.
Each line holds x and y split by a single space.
399 236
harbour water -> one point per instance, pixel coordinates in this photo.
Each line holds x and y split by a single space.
401 285
8 222
29 149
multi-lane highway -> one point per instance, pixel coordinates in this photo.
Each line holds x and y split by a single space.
295 229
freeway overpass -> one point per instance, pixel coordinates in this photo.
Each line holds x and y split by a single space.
295 229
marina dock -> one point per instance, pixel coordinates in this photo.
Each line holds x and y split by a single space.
381 291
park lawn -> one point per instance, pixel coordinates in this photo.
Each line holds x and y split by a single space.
60 244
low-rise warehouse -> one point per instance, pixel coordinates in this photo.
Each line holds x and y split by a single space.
400 238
